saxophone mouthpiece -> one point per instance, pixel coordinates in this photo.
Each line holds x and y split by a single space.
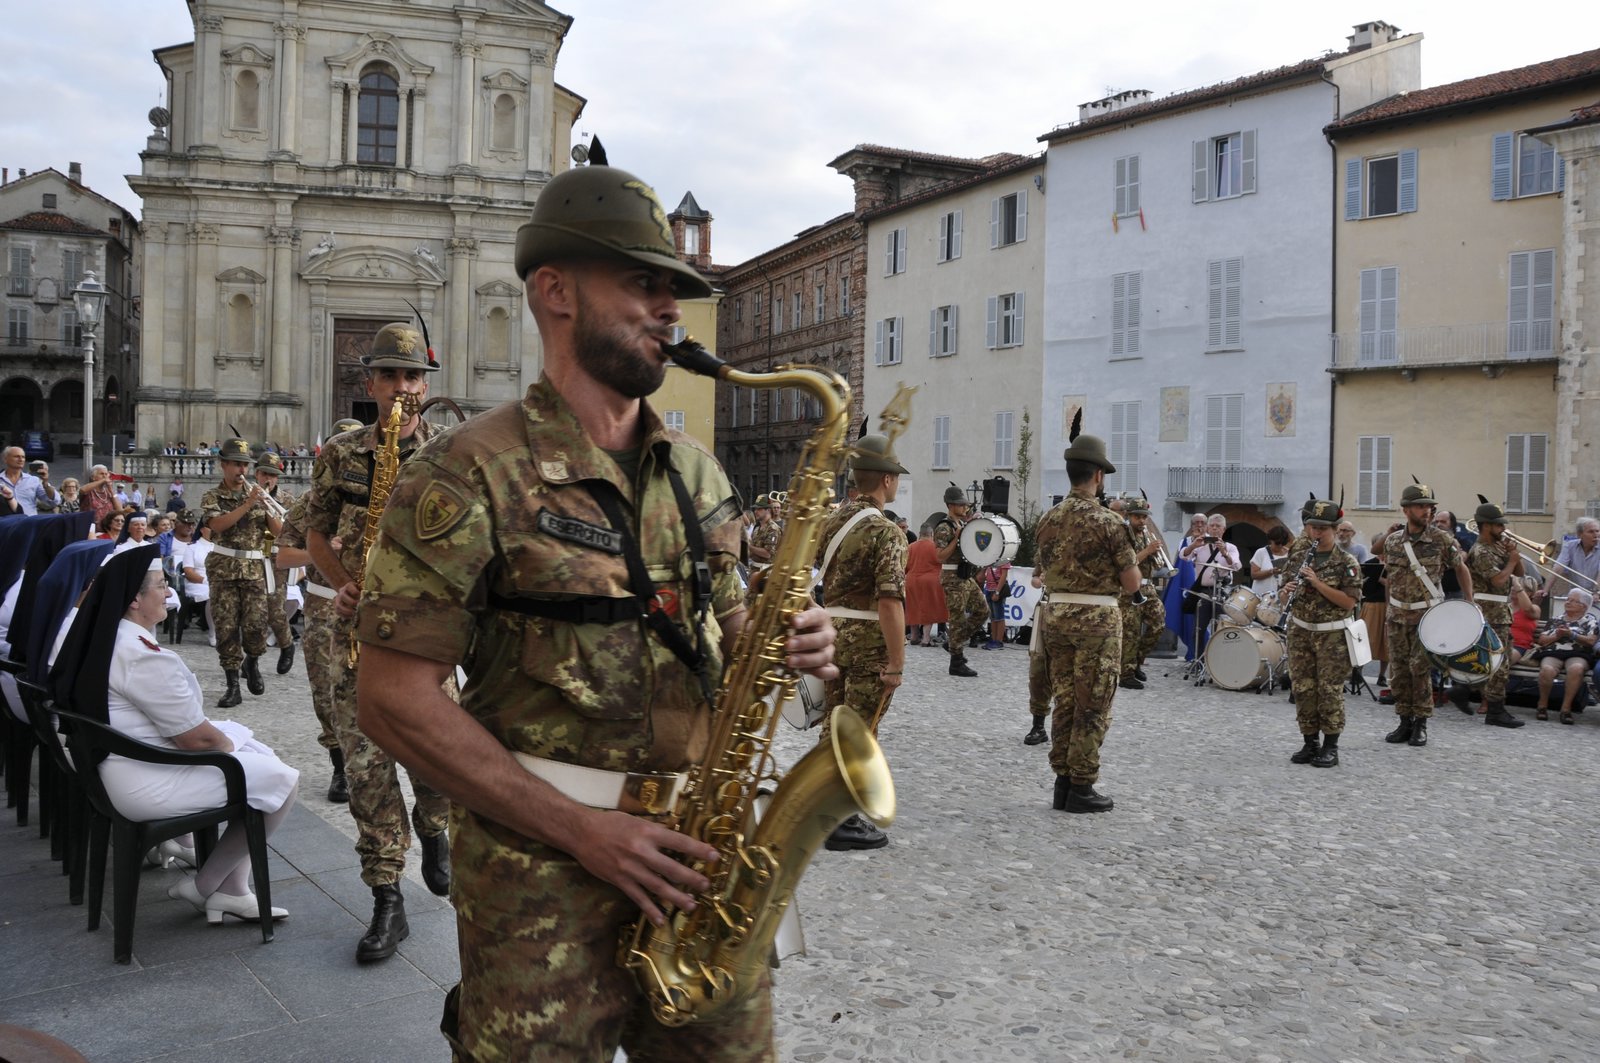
694 357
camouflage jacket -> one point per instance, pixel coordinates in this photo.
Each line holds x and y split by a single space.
341 479
869 564
249 533
945 532
766 536
1082 548
1337 569
1436 551
1142 539
1485 561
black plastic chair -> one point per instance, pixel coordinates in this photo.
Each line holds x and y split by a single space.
61 797
131 839
19 744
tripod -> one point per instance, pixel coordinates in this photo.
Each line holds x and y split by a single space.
1213 598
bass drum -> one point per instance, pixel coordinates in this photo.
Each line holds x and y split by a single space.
990 540
1457 641
1243 658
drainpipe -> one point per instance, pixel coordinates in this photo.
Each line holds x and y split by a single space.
1333 274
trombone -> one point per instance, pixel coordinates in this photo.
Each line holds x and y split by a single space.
1547 556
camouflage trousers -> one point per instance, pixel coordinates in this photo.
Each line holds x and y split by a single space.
317 646
1038 680
1494 690
239 620
859 652
1319 664
1136 644
376 802
548 987
1410 678
969 613
278 609
1083 680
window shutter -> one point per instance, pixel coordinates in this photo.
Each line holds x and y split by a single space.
1119 314
1364 492
1561 174
888 252
1234 429
1232 302
1542 302
1352 190
1408 181
1368 315
1388 312
1201 168
1516 459
933 333
1517 305
994 222
1131 333
1119 187
1214 430
990 330
877 347
1133 184
1020 335
897 341
1214 309
900 251
1381 475
944 238
1538 448
1500 166
1022 215
1247 171
955 244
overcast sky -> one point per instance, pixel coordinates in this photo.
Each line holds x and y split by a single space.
744 103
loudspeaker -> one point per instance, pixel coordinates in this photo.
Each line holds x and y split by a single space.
996 495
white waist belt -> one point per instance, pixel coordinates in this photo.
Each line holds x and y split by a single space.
1412 606
320 591
947 568
249 555
1492 597
1332 625
1069 598
647 793
851 614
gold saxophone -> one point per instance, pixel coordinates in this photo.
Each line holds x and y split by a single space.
702 961
385 468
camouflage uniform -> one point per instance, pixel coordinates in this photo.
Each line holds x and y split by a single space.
497 511
278 600
238 585
319 614
963 598
1409 667
1136 645
765 536
1319 661
870 564
1082 548
336 506
1485 561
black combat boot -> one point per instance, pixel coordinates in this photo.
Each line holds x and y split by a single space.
1419 731
1499 717
339 786
1037 735
1306 753
1082 797
389 926
436 863
1459 694
1138 673
1063 789
1402 733
857 832
231 696
286 658
1328 755
1130 682
958 665
252 677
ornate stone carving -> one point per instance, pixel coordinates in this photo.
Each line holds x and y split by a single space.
204 232
373 267
278 236
211 23
468 47
286 29
462 246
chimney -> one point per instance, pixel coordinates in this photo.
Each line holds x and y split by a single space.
75 172
1116 102
1371 34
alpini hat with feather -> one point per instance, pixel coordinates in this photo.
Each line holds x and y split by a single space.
873 454
1417 493
235 450
1091 449
399 346
1488 513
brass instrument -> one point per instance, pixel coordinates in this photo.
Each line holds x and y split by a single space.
270 504
702 961
1547 554
385 469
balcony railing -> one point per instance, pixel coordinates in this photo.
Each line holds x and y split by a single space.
18 283
1443 345
1224 483
198 468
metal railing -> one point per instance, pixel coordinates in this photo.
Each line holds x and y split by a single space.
197 468
1224 483
1443 345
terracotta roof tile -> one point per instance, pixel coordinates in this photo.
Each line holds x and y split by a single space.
1552 74
1011 164
49 221
987 161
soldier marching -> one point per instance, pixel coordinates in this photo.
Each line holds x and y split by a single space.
1142 623
1325 582
238 570
963 598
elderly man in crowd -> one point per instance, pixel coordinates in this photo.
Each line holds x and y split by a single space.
1346 535
1581 558
19 484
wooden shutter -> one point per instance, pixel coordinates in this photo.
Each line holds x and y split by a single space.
1119 186
1216 446
994 222
1381 471
1542 302
1561 173
1214 305
1247 172
1232 302
955 243
900 251
1388 313
1133 184
1352 189
1538 454
944 238
933 333
1201 186
1119 314
1022 216
1500 166
1516 478
1408 181
1517 308
1233 428
1367 316
990 328
1364 491
1020 317
888 252
877 347
1131 333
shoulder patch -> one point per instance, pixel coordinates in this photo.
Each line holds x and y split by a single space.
439 511
722 514
150 644
573 530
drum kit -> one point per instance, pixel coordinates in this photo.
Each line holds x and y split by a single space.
1247 645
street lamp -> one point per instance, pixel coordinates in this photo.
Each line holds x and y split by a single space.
90 297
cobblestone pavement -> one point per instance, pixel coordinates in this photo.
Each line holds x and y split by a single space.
1411 904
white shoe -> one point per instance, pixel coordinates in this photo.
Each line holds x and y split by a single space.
185 890
171 853
247 908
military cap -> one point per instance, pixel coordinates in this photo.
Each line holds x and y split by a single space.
235 450
1136 505
399 346
1489 513
346 424
763 502
1091 449
188 516
873 454
1320 511
270 462
1418 495
891 514
601 212
954 496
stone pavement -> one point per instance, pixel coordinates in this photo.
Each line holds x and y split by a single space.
1411 904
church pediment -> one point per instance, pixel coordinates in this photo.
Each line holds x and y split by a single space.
498 289
240 275
503 80
372 264
378 46
247 54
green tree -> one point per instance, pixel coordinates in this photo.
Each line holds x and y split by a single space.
1027 512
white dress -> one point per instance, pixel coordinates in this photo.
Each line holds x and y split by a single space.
195 557
152 695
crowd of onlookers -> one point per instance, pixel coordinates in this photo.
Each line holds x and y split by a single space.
202 449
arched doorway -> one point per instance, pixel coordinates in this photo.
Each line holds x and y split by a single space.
21 407
66 407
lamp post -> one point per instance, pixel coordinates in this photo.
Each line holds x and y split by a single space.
90 298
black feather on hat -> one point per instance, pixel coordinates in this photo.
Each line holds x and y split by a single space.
422 323
1077 425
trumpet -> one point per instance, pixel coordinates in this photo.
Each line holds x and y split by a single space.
272 505
1546 553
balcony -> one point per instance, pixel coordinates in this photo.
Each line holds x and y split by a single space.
1490 346
1257 484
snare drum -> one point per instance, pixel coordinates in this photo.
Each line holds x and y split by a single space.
1243 658
990 540
1241 604
1270 611
1456 640
809 705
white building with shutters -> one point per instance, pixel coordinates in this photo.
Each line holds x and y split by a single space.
1188 281
955 279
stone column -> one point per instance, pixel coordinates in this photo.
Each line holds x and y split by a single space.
280 365
203 303
153 316
352 125
462 250
400 139
286 133
467 51
211 97
319 391
336 123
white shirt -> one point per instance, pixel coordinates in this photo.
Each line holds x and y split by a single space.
1263 559
1226 555
25 490
195 557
